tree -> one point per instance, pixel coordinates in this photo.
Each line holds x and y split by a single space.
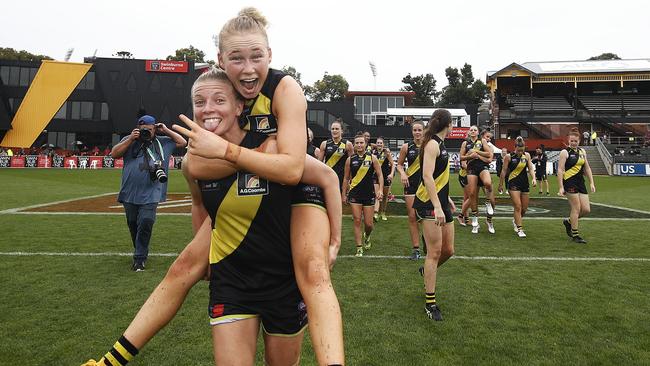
605 56
462 88
329 88
291 71
424 87
188 54
22 55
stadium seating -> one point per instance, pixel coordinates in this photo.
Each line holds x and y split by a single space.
636 103
610 103
550 104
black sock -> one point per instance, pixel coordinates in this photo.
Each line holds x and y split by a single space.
429 298
121 353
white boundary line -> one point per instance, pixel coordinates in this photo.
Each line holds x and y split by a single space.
460 257
18 209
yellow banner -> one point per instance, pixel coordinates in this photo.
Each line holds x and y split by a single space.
52 85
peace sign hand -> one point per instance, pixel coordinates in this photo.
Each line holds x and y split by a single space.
201 141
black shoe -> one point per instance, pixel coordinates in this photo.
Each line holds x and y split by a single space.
138 266
415 255
421 270
567 226
579 240
433 312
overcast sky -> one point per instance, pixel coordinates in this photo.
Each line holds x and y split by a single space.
341 37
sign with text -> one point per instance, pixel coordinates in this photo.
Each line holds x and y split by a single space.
44 161
633 169
166 66
17 161
31 161
70 162
118 163
458 133
5 161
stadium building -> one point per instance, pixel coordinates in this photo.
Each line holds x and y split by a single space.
543 99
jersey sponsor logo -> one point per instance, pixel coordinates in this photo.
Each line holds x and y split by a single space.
209 186
251 185
367 162
262 123
340 150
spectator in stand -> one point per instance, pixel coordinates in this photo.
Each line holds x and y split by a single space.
3 152
95 151
594 136
107 150
585 138
10 152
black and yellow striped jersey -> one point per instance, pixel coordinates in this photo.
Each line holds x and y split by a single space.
575 162
257 115
517 173
413 161
335 155
361 170
383 157
250 250
477 146
440 177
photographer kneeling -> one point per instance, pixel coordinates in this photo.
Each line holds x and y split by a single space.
144 179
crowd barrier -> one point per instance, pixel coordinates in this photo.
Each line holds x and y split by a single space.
70 162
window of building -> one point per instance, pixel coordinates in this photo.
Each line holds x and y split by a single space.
61 114
104 112
155 83
86 110
32 74
4 74
76 110
14 76
131 85
87 82
24 76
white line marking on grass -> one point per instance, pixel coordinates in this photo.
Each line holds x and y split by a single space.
621 208
460 257
17 209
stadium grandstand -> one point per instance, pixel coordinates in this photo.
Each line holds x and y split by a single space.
543 100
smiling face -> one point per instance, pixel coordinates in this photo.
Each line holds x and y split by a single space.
380 144
216 106
488 136
417 130
246 58
574 141
336 130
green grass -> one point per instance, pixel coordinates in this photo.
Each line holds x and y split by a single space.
63 310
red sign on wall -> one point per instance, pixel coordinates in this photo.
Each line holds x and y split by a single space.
458 133
166 66
118 163
44 161
70 162
17 161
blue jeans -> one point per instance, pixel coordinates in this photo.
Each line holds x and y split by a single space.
140 219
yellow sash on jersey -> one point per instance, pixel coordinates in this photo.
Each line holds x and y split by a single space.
413 168
517 170
576 168
363 170
232 221
336 156
441 181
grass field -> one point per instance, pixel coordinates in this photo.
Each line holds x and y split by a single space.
506 301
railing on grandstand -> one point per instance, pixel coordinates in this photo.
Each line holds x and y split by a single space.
628 149
605 155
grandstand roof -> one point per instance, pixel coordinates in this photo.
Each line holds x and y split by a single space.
579 67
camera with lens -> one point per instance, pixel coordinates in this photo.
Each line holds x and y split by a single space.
145 135
157 173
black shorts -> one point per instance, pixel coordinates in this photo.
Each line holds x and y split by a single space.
414 182
476 169
514 186
286 316
428 214
575 186
540 175
307 195
361 201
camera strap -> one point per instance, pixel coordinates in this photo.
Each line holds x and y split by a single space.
162 153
